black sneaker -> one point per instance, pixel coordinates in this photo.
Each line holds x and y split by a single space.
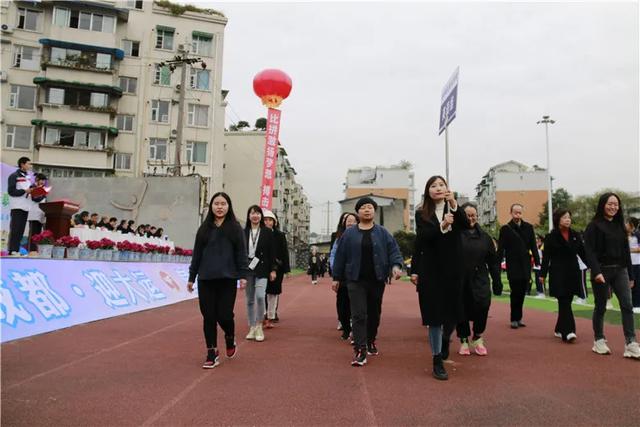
359 358
372 350
439 372
521 324
345 335
213 359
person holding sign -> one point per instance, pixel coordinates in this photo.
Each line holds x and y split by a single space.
219 260
436 266
261 247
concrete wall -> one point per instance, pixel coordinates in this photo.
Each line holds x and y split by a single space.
398 193
393 215
170 203
533 202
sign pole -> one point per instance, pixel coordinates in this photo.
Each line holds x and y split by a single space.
446 153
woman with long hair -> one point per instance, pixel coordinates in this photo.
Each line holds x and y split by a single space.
219 260
262 268
314 265
274 287
347 219
562 246
436 267
607 244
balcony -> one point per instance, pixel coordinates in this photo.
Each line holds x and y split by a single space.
80 57
57 155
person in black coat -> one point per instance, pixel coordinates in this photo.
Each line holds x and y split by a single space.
314 265
480 261
517 242
261 250
560 262
436 266
274 287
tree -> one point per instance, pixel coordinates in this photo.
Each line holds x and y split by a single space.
406 240
242 124
261 124
233 128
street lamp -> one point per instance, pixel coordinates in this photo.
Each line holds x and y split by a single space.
547 120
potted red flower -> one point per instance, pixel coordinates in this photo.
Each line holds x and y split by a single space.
72 244
44 241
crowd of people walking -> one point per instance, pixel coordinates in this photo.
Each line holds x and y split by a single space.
455 267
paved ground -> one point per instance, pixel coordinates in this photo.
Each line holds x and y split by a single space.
145 368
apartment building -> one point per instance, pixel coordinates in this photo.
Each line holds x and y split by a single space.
87 90
508 183
395 187
243 156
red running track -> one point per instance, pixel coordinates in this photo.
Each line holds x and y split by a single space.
145 369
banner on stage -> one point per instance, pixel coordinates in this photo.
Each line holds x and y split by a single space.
43 295
270 158
449 101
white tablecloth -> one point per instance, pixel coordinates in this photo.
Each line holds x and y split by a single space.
85 234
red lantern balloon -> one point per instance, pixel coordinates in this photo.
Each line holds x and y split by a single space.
272 86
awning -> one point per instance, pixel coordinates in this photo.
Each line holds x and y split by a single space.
117 53
122 14
202 35
41 122
113 90
165 28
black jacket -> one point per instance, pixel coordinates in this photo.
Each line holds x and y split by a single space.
282 261
215 256
560 262
265 252
11 183
480 261
437 260
608 244
515 243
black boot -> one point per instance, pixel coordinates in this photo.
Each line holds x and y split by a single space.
438 369
445 348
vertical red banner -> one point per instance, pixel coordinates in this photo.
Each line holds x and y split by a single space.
270 158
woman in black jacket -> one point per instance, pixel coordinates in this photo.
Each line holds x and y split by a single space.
314 265
436 266
560 261
606 242
480 261
274 287
219 260
261 252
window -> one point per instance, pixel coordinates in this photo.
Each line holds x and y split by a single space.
164 39
198 115
99 99
159 111
202 45
199 79
85 20
135 4
82 59
157 149
124 123
95 140
128 84
162 75
56 96
196 151
23 97
122 161
26 57
131 48
103 60
61 17
18 137
29 19
80 138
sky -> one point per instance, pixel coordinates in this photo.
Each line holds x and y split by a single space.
367 80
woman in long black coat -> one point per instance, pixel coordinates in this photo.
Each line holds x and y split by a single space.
274 287
560 261
436 266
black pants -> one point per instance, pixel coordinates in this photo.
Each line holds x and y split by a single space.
343 307
473 312
565 323
365 298
518 288
35 227
217 298
16 228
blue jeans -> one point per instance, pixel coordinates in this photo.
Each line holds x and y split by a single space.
255 295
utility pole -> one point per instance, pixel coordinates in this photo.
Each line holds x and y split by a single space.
183 60
547 120
328 217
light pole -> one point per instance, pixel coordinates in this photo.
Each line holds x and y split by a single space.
547 120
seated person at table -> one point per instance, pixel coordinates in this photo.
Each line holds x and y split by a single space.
122 226
81 219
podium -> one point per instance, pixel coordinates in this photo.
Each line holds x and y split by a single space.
58 215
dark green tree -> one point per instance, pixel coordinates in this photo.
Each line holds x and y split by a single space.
561 199
242 124
406 240
261 124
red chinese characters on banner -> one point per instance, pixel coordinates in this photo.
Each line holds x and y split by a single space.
270 158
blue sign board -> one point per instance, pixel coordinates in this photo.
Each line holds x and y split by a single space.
449 101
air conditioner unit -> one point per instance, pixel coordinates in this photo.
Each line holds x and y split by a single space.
3 76
182 47
178 87
174 132
6 29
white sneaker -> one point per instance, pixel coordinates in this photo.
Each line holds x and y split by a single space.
540 296
632 350
339 326
581 301
557 334
609 305
259 333
252 333
636 310
571 337
600 346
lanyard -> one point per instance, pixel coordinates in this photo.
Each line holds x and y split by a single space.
254 238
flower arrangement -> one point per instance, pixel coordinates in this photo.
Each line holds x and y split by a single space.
93 244
68 242
188 252
44 238
107 244
178 251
